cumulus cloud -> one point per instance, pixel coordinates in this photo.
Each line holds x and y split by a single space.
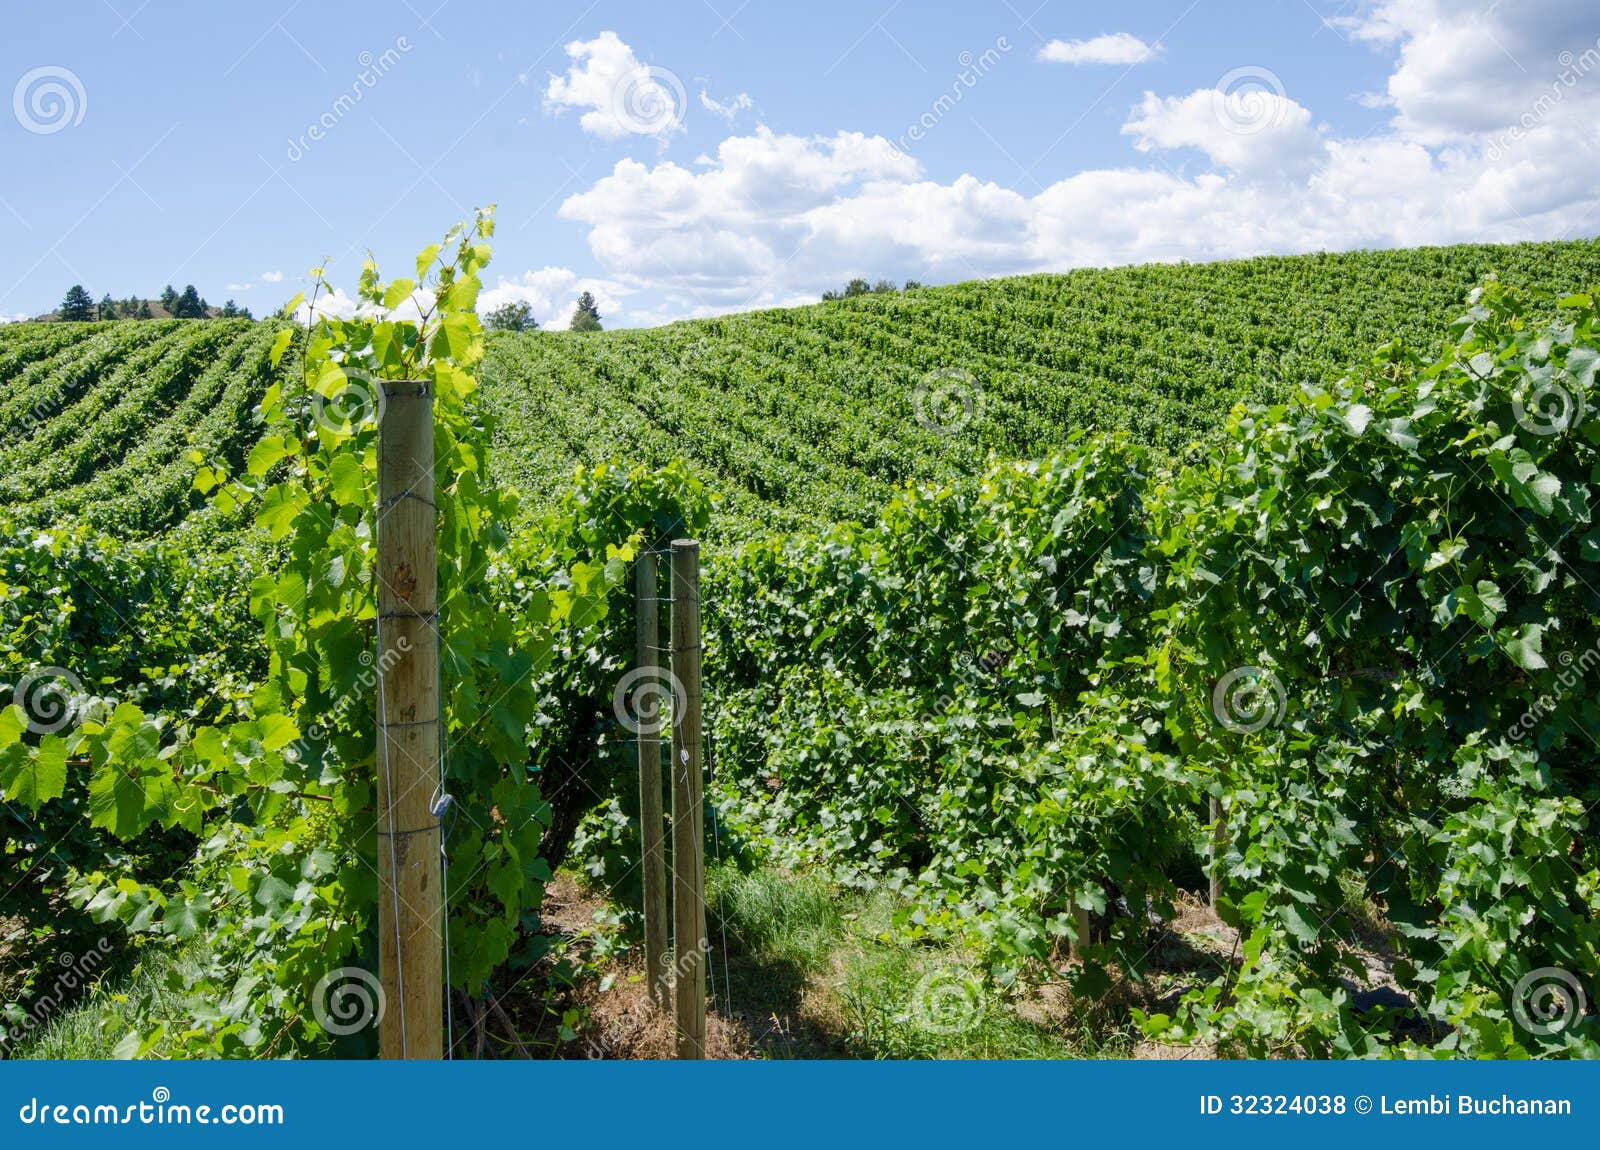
336 303
1234 169
1116 48
1467 69
271 277
622 95
1251 128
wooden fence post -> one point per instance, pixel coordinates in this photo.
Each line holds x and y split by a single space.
688 826
652 823
1219 845
409 898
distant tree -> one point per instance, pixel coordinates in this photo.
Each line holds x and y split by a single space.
586 316
78 306
169 299
244 313
229 310
129 307
913 285
144 310
859 286
205 308
107 308
516 316
188 305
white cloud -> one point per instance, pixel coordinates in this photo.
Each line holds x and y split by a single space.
551 292
1255 129
1240 168
17 317
622 94
728 111
1466 69
236 287
336 303
271 277
717 233
1116 48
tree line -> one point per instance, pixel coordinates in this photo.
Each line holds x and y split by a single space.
859 286
78 306
518 316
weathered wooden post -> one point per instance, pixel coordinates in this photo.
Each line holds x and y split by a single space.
409 899
1219 844
688 827
652 823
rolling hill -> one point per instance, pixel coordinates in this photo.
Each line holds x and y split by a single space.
797 416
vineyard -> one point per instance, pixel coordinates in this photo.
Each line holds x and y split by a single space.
1042 616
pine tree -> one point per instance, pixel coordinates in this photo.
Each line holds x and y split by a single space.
144 310
586 316
78 306
188 305
107 308
169 299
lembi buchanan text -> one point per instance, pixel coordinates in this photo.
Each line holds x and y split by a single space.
1467 1104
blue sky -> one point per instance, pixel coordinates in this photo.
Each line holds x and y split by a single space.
767 153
